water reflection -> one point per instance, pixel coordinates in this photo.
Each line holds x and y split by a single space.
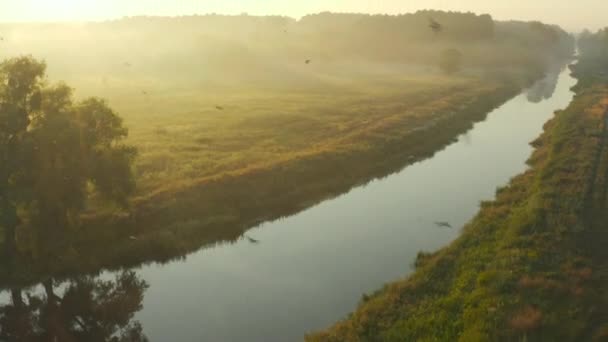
545 88
81 309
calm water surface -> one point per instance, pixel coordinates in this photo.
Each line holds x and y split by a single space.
310 269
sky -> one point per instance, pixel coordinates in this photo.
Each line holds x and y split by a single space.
574 16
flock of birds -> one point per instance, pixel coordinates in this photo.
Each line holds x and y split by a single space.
433 24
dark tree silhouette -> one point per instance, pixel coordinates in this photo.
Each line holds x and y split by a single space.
20 85
51 148
89 309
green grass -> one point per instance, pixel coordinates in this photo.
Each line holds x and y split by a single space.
529 267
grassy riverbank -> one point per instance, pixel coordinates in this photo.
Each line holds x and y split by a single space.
181 217
242 119
186 135
529 266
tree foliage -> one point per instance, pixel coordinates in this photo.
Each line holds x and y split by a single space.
54 150
592 65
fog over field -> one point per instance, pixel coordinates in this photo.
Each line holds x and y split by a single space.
331 171
563 13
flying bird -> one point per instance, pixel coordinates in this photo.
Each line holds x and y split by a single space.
251 240
308 61
443 224
435 26
127 64
219 107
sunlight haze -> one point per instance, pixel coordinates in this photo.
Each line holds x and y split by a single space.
555 12
303 170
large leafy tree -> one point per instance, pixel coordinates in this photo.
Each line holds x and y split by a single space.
54 152
20 85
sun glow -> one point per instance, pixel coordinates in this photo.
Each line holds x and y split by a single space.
58 10
550 11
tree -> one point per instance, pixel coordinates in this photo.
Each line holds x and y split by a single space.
450 61
54 150
20 84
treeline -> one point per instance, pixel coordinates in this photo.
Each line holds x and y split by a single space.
592 65
407 38
220 48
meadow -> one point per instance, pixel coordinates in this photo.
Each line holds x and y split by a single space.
206 175
187 135
237 127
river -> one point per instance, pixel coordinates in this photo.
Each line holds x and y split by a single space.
305 272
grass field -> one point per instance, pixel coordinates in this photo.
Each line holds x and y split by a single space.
183 137
207 175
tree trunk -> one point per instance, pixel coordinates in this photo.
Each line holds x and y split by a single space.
17 298
9 222
52 321
10 245
19 326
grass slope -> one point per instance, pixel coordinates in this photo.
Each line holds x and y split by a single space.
529 267
183 137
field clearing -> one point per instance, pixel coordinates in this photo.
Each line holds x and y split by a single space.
226 146
183 137
207 175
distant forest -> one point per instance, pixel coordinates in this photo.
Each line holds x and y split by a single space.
220 48
593 60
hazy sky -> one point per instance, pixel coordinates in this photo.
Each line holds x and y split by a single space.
572 15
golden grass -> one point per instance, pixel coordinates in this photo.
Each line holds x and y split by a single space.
184 139
254 164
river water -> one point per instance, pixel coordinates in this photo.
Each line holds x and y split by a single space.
304 272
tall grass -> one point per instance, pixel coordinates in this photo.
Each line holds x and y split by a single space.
181 216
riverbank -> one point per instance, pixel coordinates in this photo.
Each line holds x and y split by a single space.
169 224
528 266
